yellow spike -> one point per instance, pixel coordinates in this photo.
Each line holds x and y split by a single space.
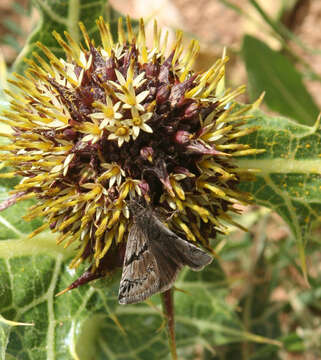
215 221
142 41
19 84
130 33
130 72
239 195
64 74
7 135
228 219
179 204
97 248
202 212
114 218
121 32
184 227
219 66
44 66
213 83
208 164
62 237
89 213
121 231
38 230
258 102
9 147
201 85
249 152
243 132
7 175
91 194
17 96
178 189
73 238
232 147
104 35
53 115
189 58
177 46
74 45
230 95
110 36
26 83
85 34
63 291
70 220
109 236
189 52
102 227
195 52
68 50
198 234
211 135
242 111
225 115
214 189
38 72
53 59
33 118
156 37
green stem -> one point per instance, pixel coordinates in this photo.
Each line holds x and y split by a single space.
168 309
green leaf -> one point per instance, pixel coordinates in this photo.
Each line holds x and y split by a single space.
4 336
289 179
273 73
88 322
5 328
12 224
61 15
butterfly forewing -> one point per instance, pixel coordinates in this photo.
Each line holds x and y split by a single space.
154 256
140 278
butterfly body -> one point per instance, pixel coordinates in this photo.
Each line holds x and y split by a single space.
154 256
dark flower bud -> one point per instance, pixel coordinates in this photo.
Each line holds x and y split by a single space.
182 137
191 110
147 153
162 94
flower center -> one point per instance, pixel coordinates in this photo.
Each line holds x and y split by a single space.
121 131
137 121
109 111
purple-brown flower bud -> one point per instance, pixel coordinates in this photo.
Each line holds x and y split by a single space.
162 94
182 137
147 153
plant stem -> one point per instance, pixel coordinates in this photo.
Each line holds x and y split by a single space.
168 309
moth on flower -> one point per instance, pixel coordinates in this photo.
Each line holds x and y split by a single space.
113 136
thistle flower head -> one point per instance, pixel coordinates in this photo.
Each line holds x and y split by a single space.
118 121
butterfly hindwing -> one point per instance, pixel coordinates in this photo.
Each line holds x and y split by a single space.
180 250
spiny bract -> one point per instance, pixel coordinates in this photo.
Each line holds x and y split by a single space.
118 121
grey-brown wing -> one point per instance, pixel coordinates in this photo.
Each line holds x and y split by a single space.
147 269
154 256
140 278
177 249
